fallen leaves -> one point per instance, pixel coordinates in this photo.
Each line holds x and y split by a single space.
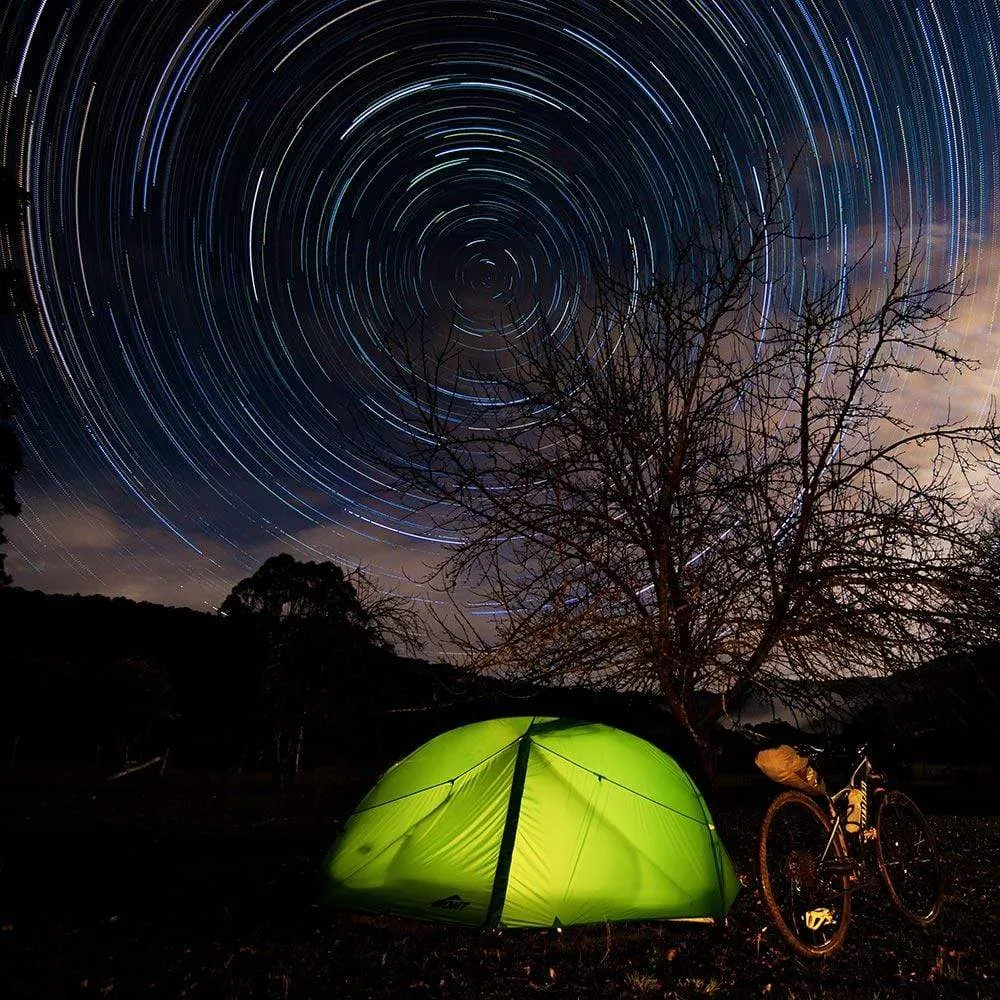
235 918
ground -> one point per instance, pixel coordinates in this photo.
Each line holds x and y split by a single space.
205 886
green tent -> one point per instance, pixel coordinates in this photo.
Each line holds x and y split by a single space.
533 822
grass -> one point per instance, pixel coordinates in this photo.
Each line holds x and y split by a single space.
204 887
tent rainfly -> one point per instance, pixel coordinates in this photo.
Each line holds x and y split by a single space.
533 822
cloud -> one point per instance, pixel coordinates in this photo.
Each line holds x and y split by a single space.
82 528
70 547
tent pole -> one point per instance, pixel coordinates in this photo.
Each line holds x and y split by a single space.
499 894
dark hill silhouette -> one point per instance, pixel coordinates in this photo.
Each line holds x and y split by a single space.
945 709
72 664
79 671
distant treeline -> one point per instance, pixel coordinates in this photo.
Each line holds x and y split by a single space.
97 682
91 681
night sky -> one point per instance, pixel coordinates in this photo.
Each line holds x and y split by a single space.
232 204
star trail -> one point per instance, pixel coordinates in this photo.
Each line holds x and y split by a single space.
233 204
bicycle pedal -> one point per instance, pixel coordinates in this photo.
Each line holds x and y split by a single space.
815 919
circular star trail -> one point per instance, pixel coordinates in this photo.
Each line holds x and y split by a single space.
234 203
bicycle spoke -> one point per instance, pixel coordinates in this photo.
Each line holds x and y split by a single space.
908 860
807 895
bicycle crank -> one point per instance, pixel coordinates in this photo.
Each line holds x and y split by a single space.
841 868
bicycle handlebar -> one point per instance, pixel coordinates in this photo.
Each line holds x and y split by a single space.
803 747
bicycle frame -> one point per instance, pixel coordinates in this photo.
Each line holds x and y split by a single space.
860 775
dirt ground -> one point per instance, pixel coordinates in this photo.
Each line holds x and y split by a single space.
205 887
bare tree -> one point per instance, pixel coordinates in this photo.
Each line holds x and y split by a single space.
709 484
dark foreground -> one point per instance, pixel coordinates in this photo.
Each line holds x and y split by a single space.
205 888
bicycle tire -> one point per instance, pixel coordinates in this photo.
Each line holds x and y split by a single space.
790 882
899 819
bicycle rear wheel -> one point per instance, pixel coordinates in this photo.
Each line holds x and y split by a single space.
908 859
808 895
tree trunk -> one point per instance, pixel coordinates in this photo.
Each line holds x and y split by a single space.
280 757
13 752
701 749
297 756
708 762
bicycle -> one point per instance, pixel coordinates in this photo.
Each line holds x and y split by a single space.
816 850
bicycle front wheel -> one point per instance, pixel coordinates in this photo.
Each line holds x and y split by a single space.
908 859
805 883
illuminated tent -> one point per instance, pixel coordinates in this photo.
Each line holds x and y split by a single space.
533 822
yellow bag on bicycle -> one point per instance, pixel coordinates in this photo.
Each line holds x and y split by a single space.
785 766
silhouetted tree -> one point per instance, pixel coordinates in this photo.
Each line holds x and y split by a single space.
23 701
317 639
13 198
671 498
81 671
130 704
14 299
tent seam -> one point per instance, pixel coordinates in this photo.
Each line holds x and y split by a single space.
713 840
604 777
437 784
